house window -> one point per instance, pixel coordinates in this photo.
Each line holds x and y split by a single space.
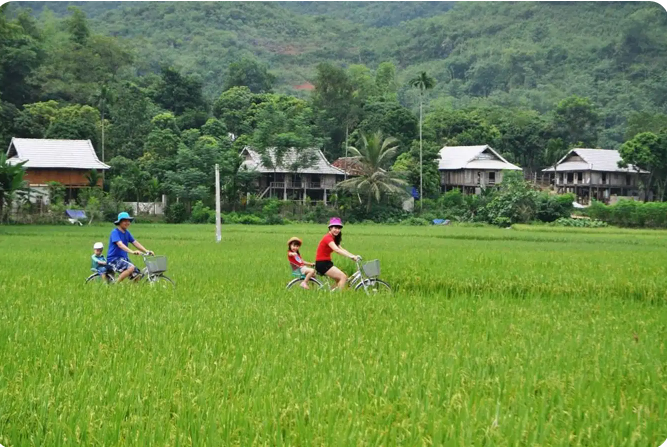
580 177
561 177
570 177
628 179
492 178
315 181
604 178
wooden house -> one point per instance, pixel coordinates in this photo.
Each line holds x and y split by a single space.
64 161
297 176
471 168
594 174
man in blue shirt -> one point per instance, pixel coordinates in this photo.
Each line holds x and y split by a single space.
119 242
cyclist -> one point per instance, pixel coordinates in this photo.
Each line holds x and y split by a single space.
119 242
331 243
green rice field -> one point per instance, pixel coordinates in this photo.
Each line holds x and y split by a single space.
531 336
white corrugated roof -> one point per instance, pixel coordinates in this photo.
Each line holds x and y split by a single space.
605 160
65 154
473 157
319 165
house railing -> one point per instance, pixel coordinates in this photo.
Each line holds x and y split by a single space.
298 185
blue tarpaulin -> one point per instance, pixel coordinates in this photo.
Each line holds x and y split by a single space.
440 221
75 214
415 192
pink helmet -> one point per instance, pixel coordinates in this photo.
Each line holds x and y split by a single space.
335 221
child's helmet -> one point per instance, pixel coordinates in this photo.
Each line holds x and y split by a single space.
98 245
294 239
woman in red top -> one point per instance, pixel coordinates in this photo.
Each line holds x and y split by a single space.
330 243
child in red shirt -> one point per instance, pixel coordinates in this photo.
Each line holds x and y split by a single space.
297 263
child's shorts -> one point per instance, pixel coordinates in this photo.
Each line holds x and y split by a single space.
102 269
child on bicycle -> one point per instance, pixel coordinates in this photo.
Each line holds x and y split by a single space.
99 264
298 264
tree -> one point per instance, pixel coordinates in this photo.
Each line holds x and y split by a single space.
553 152
11 182
422 82
233 109
249 73
93 178
577 121
332 99
391 118
374 154
385 81
101 98
35 119
648 151
129 178
77 26
407 165
21 54
130 113
75 122
178 93
279 133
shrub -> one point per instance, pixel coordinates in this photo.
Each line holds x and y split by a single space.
579 223
175 213
629 213
250 219
415 221
551 207
201 213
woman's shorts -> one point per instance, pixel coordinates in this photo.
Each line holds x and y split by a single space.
323 267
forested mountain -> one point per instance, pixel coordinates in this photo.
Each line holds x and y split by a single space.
167 81
524 54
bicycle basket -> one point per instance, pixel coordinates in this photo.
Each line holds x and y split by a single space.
372 268
156 264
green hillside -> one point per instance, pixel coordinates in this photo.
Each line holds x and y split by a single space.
524 54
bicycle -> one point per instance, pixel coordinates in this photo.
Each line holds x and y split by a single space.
153 273
365 278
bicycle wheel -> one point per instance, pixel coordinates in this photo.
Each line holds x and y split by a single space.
314 285
160 281
373 286
96 277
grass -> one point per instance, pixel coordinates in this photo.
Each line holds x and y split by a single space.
494 338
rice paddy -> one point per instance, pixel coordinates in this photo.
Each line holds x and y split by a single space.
524 337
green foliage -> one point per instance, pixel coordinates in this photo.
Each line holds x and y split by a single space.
249 73
178 93
515 201
551 207
415 222
579 223
577 120
629 213
11 183
648 151
175 213
374 154
201 214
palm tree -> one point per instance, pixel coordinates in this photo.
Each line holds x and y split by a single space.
423 82
101 97
93 178
374 155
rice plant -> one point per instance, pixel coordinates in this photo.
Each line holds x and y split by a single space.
531 336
